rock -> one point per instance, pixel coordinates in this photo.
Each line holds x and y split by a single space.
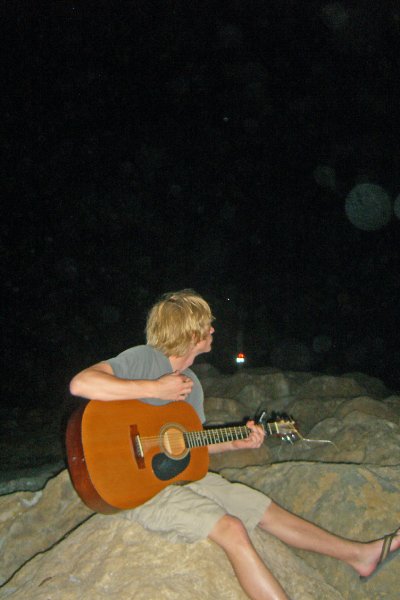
324 386
240 458
373 387
356 438
29 478
214 386
368 406
356 502
203 369
344 476
220 411
255 387
311 411
393 402
31 522
359 439
112 557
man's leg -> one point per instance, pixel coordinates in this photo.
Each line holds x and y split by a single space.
298 532
254 577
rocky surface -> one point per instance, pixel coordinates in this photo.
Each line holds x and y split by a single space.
345 476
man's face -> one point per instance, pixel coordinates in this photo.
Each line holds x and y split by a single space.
205 345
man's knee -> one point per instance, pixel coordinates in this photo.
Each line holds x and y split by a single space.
229 531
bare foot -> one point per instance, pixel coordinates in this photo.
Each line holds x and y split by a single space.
370 555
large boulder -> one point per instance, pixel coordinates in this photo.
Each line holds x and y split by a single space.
115 558
354 501
31 522
341 473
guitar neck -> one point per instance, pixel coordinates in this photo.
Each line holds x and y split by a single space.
207 437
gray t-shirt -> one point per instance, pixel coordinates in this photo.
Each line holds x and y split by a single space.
145 362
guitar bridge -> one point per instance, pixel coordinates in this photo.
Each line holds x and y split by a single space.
137 447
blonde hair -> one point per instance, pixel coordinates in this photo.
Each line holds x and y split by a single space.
178 321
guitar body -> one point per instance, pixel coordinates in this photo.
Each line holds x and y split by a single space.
122 453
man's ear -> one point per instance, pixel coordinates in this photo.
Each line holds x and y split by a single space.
195 340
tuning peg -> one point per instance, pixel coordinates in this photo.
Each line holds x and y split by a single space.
261 418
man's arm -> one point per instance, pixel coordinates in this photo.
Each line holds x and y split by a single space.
254 440
99 382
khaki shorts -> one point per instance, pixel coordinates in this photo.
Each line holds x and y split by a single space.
189 512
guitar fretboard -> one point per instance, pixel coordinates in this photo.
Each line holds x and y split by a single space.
206 437
195 439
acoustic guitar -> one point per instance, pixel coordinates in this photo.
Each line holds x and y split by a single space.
122 453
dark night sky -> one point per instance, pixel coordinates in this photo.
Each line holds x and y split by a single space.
151 146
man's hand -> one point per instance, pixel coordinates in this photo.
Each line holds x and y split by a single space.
174 386
254 440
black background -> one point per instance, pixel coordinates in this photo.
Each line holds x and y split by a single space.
151 146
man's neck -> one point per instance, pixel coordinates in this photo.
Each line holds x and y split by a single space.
180 363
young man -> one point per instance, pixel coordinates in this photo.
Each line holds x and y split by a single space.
179 328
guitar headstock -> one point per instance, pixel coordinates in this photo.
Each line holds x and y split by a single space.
280 425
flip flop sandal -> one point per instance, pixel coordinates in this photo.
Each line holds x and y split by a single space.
386 556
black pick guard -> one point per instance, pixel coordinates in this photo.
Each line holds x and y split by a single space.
166 468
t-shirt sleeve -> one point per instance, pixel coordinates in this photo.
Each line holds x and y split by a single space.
129 364
197 395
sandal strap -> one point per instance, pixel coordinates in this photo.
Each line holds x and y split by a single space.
387 542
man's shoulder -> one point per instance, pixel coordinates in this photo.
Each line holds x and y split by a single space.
140 361
144 354
190 373
143 350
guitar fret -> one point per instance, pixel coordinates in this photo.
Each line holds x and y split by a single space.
205 437
194 439
227 434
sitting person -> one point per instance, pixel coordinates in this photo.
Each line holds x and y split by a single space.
179 328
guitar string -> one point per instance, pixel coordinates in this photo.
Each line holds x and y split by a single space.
200 438
194 439
206 431
200 434
217 432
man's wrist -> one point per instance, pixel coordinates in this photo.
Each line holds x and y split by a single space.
145 388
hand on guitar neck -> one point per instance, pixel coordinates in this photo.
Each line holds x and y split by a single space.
254 440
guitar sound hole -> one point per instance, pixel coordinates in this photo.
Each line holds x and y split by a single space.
166 468
172 441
